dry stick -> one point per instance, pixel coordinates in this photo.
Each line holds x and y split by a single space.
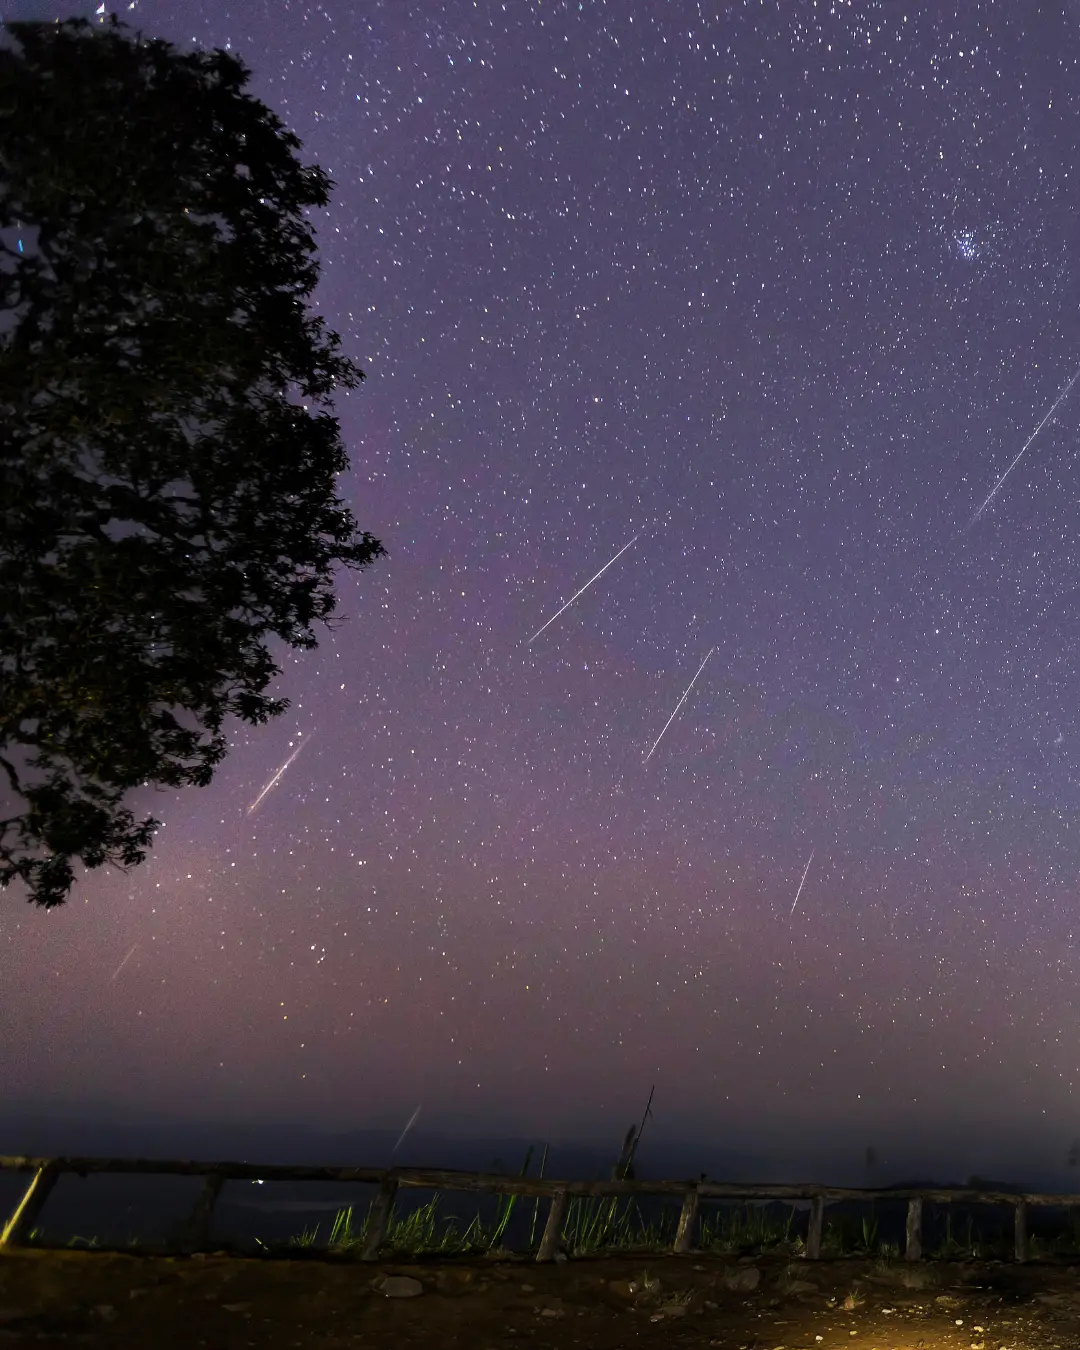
549 1243
684 1237
21 1223
1020 1232
379 1219
913 1230
626 1155
627 1161
817 1223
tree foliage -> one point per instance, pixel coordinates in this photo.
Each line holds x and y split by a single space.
168 463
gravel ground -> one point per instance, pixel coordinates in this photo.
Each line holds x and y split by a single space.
220 1302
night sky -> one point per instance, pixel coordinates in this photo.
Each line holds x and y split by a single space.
778 291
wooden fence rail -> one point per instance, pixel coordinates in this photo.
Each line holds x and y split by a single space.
47 1171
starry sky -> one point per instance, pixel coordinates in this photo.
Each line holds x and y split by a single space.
778 290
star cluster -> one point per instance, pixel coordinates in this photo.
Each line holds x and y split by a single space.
780 288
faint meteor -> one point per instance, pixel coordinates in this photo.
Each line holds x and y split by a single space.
678 706
412 1121
802 883
123 963
276 779
583 589
994 490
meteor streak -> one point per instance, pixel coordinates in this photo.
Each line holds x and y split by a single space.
994 490
279 774
678 706
412 1121
583 589
123 963
803 882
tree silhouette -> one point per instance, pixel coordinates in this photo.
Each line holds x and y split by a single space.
168 465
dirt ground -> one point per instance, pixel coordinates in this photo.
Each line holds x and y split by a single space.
220 1302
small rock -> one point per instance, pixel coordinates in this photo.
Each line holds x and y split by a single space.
711 1305
915 1278
674 1309
400 1286
452 1282
527 1289
552 1312
106 1312
801 1287
236 1307
744 1280
561 1257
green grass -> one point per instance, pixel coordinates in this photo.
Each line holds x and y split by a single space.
592 1226
743 1229
426 1230
849 1236
423 1231
38 1237
611 1225
598 1225
1065 1243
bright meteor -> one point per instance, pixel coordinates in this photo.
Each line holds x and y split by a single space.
583 589
678 705
276 779
802 883
412 1121
994 490
123 963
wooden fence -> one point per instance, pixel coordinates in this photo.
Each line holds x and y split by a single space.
47 1171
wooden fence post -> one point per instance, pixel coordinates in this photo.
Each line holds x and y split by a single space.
1020 1231
913 1230
817 1224
379 1219
687 1230
21 1223
549 1243
197 1228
